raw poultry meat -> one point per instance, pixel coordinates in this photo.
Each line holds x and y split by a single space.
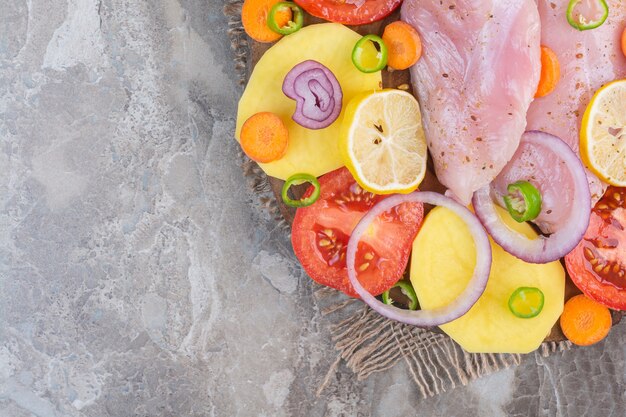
588 60
475 81
546 171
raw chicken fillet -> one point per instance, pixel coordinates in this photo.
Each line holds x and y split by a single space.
588 60
475 81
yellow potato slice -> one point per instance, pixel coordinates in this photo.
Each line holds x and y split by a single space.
443 259
315 152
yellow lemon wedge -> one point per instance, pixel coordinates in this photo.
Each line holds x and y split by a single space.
383 142
603 134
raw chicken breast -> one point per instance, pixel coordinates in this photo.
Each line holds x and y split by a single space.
476 78
546 171
588 60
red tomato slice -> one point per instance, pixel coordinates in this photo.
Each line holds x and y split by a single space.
320 235
598 264
349 12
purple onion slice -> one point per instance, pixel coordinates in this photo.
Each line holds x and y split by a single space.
317 94
552 166
434 317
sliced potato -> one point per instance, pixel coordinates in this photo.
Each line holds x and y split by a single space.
442 263
315 152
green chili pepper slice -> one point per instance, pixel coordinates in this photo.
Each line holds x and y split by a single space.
407 290
526 302
298 179
370 54
294 25
523 201
580 22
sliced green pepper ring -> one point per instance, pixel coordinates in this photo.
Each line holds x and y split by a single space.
407 290
298 179
526 302
580 22
523 201
294 25
370 54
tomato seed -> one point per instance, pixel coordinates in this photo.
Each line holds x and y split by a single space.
364 266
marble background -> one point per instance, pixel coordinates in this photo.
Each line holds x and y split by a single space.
138 274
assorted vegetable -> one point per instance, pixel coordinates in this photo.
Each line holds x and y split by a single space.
442 262
254 17
585 322
350 12
501 296
526 302
370 54
597 265
404 46
298 179
542 249
317 94
523 201
587 14
408 292
550 72
321 231
277 16
312 151
264 137
426 317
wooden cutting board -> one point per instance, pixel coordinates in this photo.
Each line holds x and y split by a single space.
391 79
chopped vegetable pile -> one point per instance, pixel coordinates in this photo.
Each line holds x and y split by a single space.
315 111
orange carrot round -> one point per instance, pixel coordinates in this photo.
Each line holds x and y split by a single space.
584 321
264 137
404 45
254 14
550 72
624 42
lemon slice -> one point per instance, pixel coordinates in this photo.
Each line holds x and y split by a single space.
383 143
603 134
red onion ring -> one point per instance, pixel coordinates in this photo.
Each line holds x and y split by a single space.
561 242
317 94
464 302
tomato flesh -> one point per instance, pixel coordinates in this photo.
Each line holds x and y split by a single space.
320 235
350 12
598 264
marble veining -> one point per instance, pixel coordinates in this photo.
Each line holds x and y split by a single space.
139 274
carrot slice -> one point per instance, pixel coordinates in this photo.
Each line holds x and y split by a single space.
624 42
550 72
254 15
584 321
404 45
264 137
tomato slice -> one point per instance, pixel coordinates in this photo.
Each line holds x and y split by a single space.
350 12
321 231
598 264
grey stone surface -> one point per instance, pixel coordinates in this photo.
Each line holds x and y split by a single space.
138 274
